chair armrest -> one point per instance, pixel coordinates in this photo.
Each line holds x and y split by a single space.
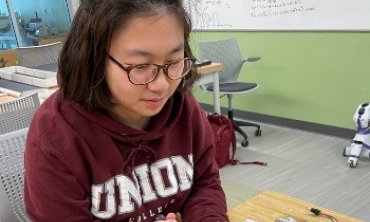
252 59
248 59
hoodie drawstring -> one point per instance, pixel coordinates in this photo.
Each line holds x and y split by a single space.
134 154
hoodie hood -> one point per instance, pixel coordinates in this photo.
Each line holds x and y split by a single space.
158 125
138 140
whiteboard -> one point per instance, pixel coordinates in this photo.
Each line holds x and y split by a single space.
346 15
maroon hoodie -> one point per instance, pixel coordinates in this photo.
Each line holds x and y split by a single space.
85 166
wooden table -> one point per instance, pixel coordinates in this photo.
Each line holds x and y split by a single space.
269 205
5 97
210 74
10 56
43 40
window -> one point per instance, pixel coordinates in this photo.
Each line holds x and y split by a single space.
36 22
7 34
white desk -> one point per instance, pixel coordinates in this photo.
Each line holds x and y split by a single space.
35 79
210 74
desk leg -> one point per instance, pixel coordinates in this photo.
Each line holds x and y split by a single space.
216 93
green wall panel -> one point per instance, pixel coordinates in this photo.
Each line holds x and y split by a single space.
319 77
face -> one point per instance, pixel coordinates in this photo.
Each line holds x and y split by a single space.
158 40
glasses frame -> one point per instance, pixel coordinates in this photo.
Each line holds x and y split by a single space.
159 67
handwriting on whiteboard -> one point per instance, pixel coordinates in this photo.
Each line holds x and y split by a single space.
217 13
206 13
269 8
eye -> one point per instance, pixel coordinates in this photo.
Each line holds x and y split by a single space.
177 63
143 68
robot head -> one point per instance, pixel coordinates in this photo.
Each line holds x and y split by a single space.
361 118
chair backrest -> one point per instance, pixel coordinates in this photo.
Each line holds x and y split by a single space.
225 51
11 176
17 114
31 56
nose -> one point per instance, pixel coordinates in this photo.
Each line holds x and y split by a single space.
160 83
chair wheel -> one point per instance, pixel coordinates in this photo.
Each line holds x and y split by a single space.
245 143
258 132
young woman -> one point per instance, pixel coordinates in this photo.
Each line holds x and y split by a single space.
123 139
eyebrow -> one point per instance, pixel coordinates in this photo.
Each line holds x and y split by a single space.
138 52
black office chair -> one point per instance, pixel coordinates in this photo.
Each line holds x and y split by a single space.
226 51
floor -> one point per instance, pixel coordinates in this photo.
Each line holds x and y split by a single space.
301 164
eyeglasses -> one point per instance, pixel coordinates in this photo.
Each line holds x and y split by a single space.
143 74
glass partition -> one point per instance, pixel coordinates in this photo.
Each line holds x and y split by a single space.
7 34
41 21
35 22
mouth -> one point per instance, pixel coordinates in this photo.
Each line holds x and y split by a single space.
154 100
154 103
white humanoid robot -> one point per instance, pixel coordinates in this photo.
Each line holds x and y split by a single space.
360 146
